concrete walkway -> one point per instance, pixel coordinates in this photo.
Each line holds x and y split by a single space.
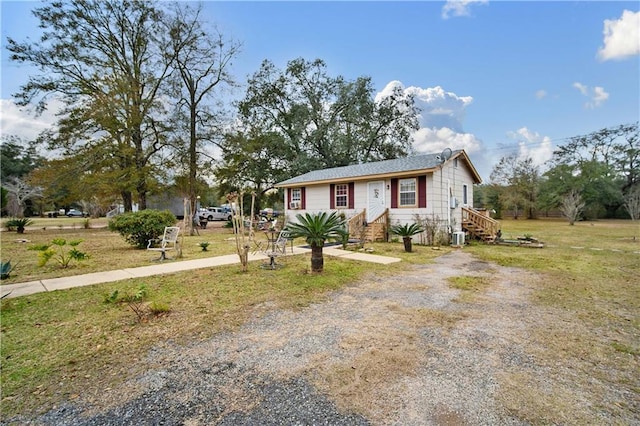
169 267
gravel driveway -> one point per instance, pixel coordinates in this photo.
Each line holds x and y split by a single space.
392 350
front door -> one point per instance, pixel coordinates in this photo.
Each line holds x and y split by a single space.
375 200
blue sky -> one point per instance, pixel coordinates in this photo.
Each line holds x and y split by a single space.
492 77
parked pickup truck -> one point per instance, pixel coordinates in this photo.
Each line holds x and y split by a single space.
214 213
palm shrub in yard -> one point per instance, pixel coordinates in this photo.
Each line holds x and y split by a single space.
316 229
19 223
138 228
406 231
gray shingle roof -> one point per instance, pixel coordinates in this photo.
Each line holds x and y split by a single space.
405 164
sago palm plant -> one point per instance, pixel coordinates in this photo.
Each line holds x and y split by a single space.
316 229
406 231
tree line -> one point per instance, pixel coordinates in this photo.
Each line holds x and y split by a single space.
596 175
146 86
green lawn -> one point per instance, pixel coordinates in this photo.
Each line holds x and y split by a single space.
107 250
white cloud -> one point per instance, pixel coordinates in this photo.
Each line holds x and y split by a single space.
597 95
459 7
540 94
582 88
532 145
441 117
621 37
22 122
430 140
439 108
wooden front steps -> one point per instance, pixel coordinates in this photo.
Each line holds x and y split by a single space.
376 230
479 225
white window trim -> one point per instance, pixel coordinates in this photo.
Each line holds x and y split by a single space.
345 195
415 192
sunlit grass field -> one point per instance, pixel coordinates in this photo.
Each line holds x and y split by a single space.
589 283
107 250
55 345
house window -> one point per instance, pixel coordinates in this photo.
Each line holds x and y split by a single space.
407 192
464 194
296 194
455 163
342 196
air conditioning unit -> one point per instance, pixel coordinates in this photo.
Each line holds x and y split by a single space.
457 239
294 205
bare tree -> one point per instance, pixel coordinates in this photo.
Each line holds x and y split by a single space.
572 206
203 58
632 202
19 192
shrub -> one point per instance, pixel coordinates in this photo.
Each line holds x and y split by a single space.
59 251
19 224
5 269
136 301
159 308
138 228
406 231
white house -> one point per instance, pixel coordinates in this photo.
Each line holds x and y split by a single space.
382 193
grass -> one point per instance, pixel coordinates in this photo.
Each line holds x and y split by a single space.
471 286
594 293
589 281
107 250
97 344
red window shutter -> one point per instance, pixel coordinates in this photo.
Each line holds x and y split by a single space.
332 196
303 198
422 191
394 193
352 192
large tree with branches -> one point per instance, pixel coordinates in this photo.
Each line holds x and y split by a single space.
519 182
604 165
326 121
108 61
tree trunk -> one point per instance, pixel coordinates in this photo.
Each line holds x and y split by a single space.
317 260
142 196
193 159
407 244
127 201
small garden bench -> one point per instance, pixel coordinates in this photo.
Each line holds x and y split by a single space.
169 241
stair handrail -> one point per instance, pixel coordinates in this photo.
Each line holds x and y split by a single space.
355 222
487 223
381 223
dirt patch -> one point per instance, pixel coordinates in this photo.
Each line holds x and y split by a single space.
405 349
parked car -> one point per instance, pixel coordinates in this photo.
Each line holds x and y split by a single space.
214 213
76 213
